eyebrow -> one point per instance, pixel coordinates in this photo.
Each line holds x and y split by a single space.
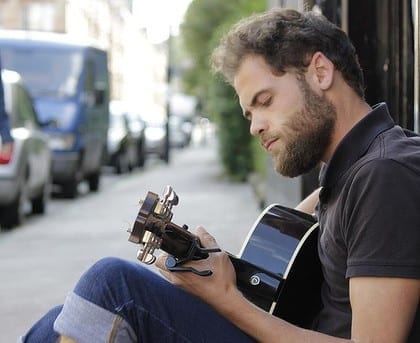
254 99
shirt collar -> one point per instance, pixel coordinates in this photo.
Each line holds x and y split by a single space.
355 144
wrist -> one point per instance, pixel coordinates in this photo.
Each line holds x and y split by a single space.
230 301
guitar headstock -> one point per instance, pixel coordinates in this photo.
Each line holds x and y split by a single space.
153 229
151 222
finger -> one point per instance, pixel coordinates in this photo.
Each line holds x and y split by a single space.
167 275
161 265
161 261
206 239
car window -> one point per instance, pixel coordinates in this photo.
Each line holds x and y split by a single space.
24 111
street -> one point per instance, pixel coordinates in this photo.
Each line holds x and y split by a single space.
41 260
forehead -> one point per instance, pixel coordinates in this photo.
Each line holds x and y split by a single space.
251 68
254 75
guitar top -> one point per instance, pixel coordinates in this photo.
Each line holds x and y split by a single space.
283 242
277 224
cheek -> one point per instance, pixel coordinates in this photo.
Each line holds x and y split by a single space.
289 125
286 110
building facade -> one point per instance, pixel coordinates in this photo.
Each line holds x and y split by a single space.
137 66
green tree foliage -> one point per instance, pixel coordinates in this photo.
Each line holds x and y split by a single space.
204 23
234 139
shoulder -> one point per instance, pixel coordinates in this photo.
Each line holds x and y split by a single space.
392 160
377 177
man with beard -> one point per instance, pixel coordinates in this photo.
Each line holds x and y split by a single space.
300 86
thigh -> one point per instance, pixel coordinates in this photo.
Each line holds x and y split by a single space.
155 309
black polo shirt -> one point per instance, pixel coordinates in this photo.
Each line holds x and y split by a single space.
369 214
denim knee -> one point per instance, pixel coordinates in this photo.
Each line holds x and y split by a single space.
111 282
120 287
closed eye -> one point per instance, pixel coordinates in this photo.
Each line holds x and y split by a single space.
266 101
261 98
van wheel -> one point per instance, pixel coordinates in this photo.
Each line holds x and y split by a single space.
93 181
69 189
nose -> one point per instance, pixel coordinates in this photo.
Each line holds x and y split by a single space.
258 124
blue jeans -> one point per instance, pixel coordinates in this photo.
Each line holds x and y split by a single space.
121 301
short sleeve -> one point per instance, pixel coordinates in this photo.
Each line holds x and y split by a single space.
382 229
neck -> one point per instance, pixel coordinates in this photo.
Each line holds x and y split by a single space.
350 110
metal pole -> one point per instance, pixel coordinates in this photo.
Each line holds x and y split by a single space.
166 157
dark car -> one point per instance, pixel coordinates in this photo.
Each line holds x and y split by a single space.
156 139
138 129
157 143
180 131
25 174
122 142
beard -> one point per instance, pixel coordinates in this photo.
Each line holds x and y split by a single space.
307 135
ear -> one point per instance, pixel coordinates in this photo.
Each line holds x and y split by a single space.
322 70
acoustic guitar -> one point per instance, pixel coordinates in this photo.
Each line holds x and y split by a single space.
278 267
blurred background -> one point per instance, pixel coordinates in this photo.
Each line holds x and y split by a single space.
108 99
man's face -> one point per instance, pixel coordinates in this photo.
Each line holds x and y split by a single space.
294 123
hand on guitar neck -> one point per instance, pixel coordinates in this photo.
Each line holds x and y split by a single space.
208 287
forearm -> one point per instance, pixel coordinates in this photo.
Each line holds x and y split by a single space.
265 327
308 204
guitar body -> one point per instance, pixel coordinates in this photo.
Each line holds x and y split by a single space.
278 268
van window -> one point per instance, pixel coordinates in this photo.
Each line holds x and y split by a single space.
47 72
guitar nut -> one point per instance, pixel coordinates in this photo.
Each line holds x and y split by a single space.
254 280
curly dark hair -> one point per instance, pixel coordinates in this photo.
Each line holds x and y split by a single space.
287 39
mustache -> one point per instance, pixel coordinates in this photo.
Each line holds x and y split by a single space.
267 137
